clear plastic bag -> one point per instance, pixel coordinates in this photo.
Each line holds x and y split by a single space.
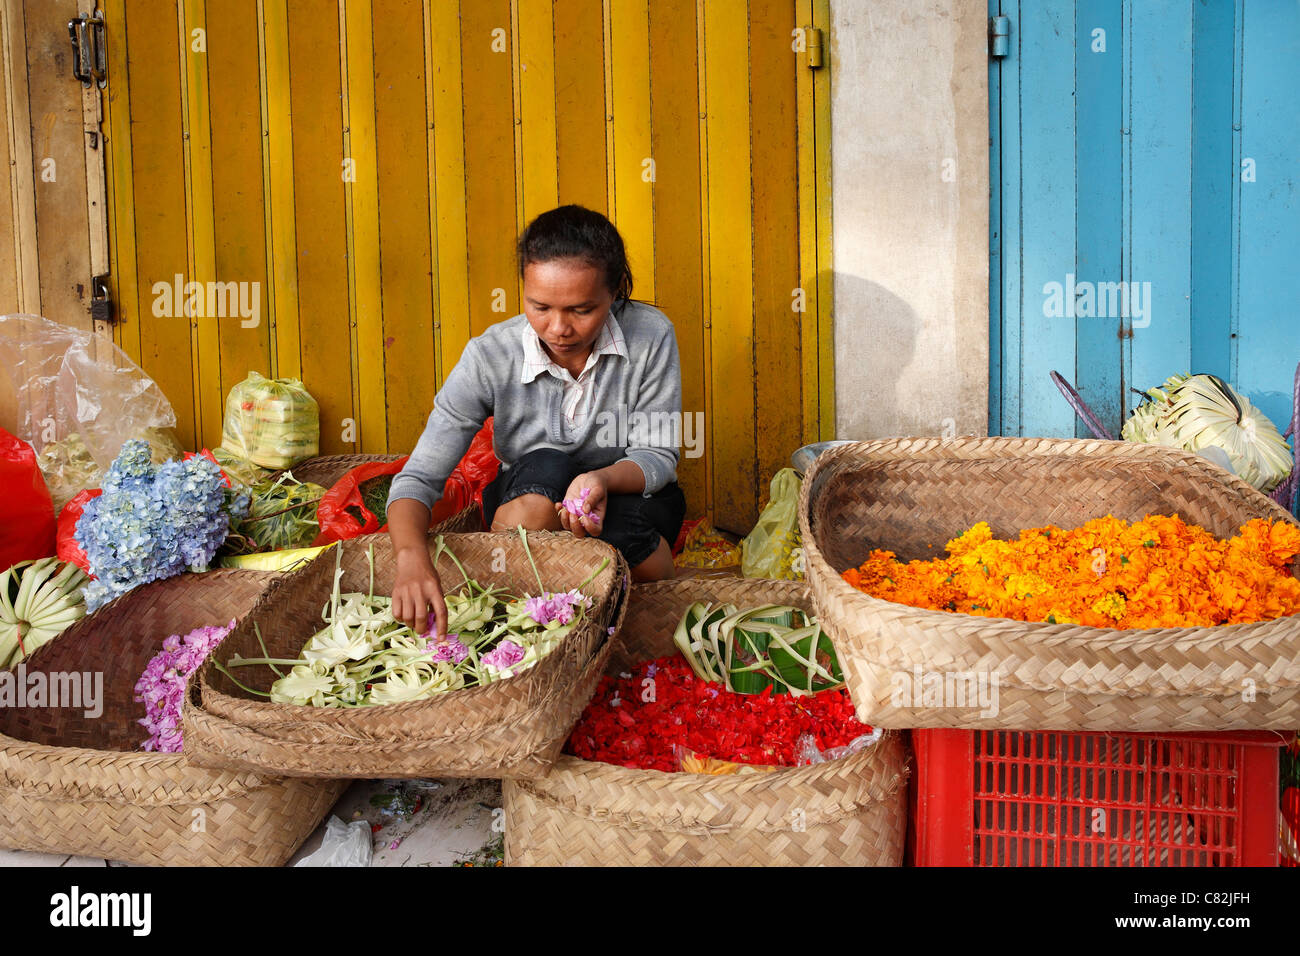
773 548
807 752
79 397
274 423
344 844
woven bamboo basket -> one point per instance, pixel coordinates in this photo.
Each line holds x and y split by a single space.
912 495
72 783
326 470
510 727
847 812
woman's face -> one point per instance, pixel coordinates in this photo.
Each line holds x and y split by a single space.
566 301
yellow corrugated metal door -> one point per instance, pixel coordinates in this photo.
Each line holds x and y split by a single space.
360 170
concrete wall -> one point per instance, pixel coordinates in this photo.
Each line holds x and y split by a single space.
910 197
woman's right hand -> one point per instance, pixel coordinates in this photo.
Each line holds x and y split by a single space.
417 593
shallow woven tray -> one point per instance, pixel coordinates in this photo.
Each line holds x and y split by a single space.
912 495
848 812
76 784
511 727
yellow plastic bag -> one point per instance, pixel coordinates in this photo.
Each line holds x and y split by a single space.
773 548
274 423
290 560
706 547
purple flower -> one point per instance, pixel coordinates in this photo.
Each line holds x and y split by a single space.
449 649
549 606
161 688
506 654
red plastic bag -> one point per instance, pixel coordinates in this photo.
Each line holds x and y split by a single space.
68 549
480 464
26 510
338 508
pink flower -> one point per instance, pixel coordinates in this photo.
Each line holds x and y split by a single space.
161 687
548 606
449 649
506 654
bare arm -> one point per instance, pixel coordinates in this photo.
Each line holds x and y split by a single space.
417 590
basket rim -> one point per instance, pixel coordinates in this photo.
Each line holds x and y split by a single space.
345 716
844 801
830 462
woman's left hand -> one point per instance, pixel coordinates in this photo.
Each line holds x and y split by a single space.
583 508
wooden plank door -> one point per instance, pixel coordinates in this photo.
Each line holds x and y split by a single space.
366 166
1148 148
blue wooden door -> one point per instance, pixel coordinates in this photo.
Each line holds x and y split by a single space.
1146 204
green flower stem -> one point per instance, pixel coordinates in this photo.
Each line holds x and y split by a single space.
265 653
268 661
603 565
523 536
235 681
441 546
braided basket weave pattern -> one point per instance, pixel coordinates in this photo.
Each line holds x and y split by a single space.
911 495
71 783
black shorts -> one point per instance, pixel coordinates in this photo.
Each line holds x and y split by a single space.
633 523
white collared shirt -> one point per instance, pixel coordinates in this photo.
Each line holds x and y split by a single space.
578 392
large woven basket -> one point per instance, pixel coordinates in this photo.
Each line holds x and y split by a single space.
911 495
72 783
510 727
326 470
847 812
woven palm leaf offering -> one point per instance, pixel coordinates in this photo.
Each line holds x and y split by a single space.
1079 585
364 656
720 735
321 680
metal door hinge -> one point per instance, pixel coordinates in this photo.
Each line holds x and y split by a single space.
999 36
814 42
89 56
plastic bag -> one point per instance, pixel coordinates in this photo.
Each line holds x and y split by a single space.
773 548
26 512
355 504
342 512
808 753
344 844
66 541
700 545
241 469
479 465
79 397
274 423
290 560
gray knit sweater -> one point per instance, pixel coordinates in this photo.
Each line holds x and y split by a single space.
636 411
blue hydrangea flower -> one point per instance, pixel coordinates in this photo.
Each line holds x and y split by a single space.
153 521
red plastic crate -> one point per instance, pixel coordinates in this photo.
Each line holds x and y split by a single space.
1011 798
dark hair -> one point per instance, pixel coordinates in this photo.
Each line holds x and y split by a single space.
575 232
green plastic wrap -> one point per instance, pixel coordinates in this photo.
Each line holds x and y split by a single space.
274 423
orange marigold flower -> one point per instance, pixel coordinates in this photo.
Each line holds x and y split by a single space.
1157 572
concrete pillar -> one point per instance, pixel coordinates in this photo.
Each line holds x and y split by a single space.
910 199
